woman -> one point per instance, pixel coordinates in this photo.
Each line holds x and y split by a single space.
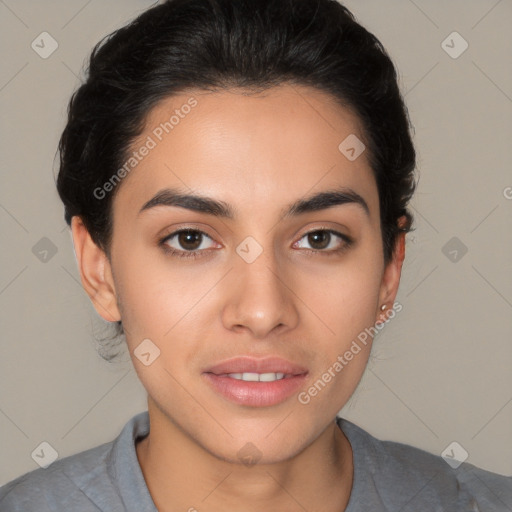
236 176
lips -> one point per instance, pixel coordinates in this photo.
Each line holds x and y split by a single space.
247 364
254 382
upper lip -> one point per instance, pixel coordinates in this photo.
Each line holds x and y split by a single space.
247 364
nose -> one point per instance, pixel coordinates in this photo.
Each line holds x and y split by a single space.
260 297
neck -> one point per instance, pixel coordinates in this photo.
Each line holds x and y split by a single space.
181 475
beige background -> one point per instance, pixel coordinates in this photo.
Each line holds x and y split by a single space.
442 368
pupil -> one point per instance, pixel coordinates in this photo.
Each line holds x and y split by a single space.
190 237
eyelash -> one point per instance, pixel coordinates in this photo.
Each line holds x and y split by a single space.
197 253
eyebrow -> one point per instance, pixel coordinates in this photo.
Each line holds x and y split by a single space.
210 206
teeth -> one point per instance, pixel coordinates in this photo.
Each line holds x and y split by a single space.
269 377
255 377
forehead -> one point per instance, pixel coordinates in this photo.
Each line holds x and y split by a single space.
251 148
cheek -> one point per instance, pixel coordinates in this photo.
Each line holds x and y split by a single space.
159 297
148 304
343 295
346 304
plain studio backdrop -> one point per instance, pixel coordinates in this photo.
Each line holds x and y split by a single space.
441 369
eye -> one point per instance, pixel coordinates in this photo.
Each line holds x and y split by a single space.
193 243
326 241
185 243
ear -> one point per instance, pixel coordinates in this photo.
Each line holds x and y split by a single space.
391 277
95 272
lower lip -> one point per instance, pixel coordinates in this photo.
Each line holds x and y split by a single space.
255 394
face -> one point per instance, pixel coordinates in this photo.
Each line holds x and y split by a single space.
259 272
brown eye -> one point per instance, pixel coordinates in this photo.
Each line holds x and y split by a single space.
319 239
324 241
190 240
187 243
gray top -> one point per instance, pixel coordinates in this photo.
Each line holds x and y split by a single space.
388 476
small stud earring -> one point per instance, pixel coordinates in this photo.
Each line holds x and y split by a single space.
383 307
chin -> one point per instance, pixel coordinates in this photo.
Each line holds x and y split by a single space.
268 445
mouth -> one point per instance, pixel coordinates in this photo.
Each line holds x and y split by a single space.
256 382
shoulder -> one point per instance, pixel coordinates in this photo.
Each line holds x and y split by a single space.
101 478
406 477
57 487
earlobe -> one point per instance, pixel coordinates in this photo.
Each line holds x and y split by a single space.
391 278
95 272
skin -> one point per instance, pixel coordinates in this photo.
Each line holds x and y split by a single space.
258 153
